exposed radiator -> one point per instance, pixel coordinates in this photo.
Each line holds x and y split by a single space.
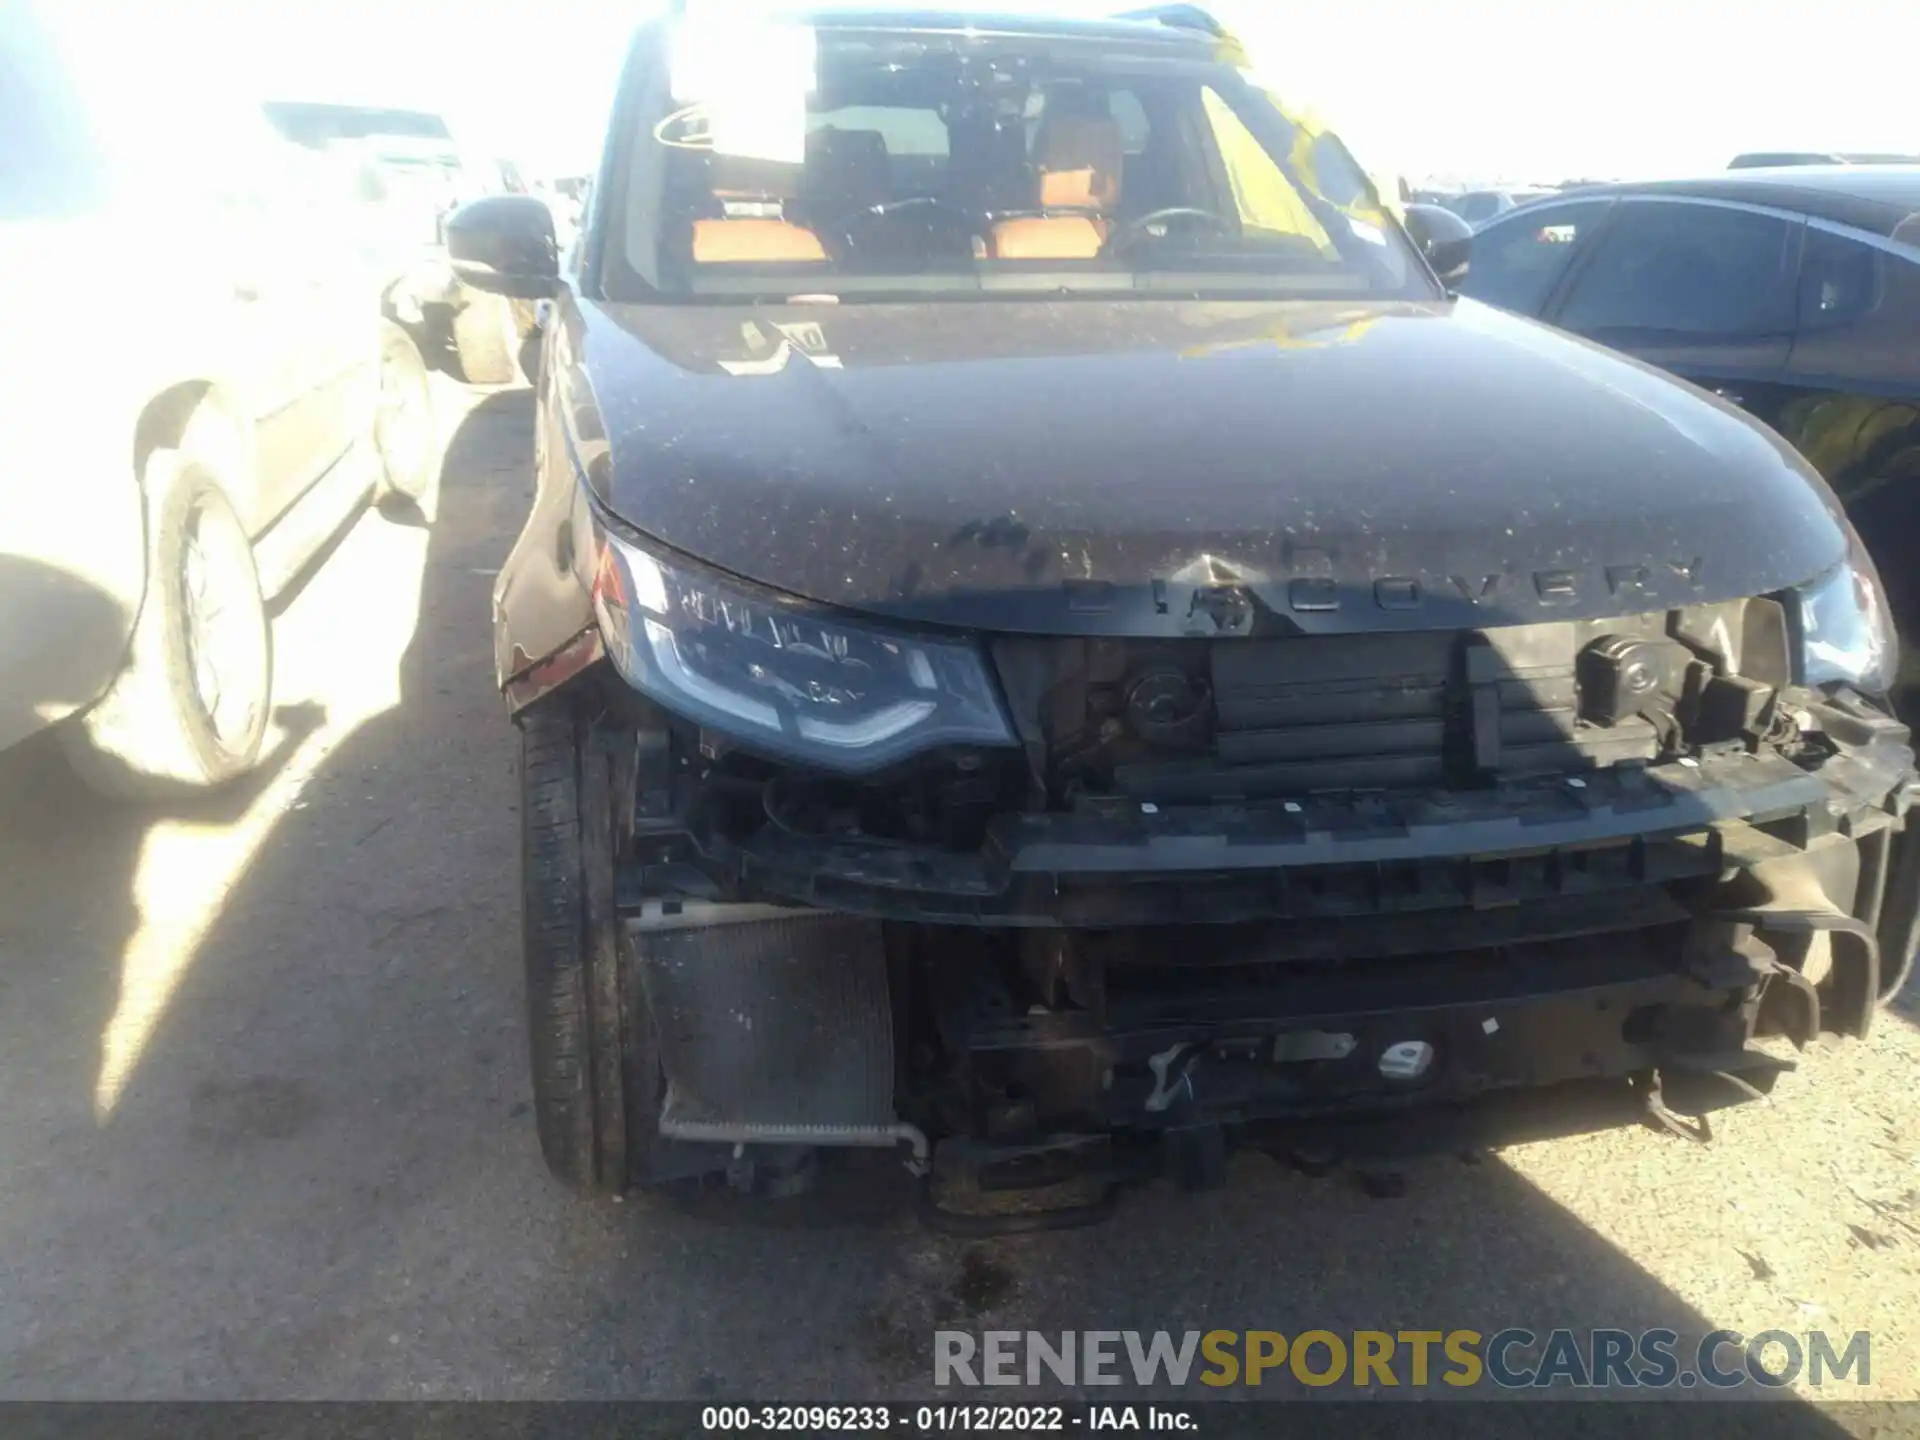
776 1021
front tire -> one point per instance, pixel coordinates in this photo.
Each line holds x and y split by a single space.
403 435
189 710
596 1078
485 339
526 317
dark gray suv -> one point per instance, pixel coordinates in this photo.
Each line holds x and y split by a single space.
1045 639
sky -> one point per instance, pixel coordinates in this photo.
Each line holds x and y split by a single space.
1480 90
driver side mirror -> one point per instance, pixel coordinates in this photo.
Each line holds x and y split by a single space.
1444 238
504 245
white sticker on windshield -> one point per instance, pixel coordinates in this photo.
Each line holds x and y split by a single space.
752 80
1372 234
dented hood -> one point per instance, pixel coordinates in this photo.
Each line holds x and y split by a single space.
1170 467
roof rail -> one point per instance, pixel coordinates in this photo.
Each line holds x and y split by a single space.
1181 17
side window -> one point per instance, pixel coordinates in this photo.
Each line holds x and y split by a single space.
1838 281
1476 208
1516 264
283 210
1339 175
1692 270
1131 116
249 179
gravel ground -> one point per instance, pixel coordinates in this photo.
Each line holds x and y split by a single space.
264 1129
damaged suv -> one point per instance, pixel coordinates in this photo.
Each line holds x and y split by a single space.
1047 640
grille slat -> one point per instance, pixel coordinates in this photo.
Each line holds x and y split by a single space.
1379 711
1374 738
1326 712
1278 718
1205 780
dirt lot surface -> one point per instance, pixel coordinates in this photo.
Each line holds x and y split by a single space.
264 1123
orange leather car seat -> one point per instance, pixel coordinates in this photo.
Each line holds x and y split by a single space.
754 240
752 228
1078 159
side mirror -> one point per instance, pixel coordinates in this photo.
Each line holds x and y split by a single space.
1444 238
504 245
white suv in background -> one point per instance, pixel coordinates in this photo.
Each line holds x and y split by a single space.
200 391
415 173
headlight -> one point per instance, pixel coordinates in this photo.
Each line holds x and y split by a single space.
784 676
1846 628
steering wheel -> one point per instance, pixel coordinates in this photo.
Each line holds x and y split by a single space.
1134 230
953 215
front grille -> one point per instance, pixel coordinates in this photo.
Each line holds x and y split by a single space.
1377 712
1361 712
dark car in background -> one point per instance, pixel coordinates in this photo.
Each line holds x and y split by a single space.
1775 159
1476 207
1045 639
1793 293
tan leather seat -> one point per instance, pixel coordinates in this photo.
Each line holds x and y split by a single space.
754 199
1079 160
754 240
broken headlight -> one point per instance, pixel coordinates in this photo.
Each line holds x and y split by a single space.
784 676
1846 627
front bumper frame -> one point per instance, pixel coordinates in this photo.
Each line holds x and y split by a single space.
1653 921
1334 856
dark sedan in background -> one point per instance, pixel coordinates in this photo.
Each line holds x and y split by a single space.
1477 207
1794 293
1772 159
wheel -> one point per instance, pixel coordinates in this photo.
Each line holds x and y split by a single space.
529 328
484 339
530 352
189 711
403 419
596 1075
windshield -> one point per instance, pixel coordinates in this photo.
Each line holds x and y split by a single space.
864 163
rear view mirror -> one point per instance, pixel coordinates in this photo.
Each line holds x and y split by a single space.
504 245
1444 238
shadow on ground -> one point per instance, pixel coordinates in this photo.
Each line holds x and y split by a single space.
323 1181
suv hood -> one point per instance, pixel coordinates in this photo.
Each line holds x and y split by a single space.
1173 467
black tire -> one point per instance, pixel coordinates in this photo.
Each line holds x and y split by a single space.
403 422
530 350
485 340
157 731
596 1078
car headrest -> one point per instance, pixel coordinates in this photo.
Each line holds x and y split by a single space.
847 170
749 177
852 149
1079 160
